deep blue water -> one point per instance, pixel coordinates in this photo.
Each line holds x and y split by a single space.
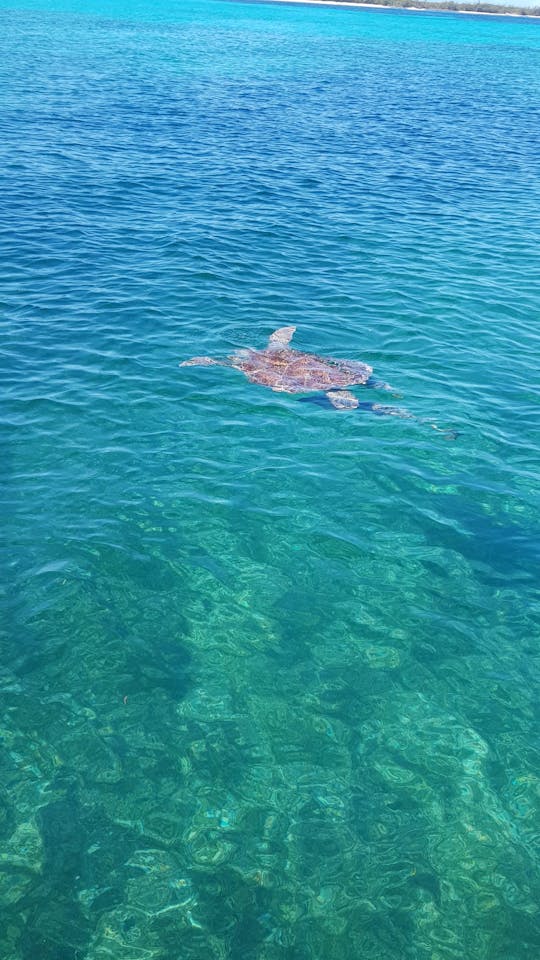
269 670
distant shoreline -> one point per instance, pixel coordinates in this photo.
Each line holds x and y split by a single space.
421 8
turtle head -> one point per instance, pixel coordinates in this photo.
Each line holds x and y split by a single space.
199 362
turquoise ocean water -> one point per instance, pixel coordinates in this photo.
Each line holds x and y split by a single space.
269 672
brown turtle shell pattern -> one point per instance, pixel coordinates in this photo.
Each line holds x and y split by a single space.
291 371
285 370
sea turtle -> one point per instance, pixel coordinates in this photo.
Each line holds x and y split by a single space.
286 370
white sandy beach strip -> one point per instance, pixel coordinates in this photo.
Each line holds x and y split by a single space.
381 6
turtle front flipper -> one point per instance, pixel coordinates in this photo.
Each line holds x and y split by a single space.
201 362
280 338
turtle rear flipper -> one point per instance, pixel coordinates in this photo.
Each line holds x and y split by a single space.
384 410
382 385
342 399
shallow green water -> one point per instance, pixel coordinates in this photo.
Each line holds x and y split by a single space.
269 673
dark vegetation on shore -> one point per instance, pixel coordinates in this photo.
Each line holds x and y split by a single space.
457 6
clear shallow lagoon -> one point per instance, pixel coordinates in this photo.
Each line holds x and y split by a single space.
270 671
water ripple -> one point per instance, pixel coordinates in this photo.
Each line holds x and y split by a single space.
269 669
